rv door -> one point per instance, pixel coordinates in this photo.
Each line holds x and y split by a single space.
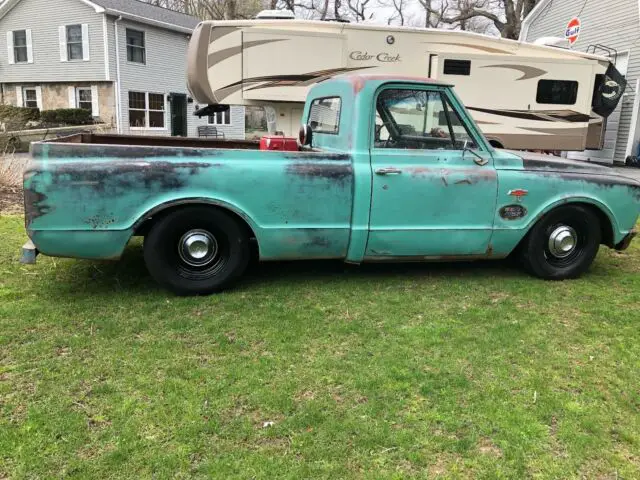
433 66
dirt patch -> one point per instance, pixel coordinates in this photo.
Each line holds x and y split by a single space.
487 447
11 200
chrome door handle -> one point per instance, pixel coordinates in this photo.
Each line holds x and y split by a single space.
388 171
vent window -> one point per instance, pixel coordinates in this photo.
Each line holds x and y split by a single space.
457 67
557 92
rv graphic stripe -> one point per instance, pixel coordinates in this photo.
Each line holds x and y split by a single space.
302 79
538 115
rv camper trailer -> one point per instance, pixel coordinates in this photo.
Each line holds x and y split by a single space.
523 96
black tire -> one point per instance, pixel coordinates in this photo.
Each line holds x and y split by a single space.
222 241
543 258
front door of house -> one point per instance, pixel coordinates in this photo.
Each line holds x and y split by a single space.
178 105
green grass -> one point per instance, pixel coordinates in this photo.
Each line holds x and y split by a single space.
454 371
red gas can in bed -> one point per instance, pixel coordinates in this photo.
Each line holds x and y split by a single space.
279 142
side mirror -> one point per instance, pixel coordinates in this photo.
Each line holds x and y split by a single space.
478 159
305 136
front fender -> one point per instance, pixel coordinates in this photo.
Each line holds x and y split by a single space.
557 202
545 191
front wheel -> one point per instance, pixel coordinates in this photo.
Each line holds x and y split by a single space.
563 244
196 250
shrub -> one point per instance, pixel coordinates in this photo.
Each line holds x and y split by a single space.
67 116
10 114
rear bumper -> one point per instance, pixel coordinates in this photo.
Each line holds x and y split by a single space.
626 241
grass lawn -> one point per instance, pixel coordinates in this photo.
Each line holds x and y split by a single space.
453 371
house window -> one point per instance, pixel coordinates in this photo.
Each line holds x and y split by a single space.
146 110
557 92
457 67
74 42
221 118
20 46
156 110
135 46
30 97
84 99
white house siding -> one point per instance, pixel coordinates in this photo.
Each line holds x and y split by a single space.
614 24
164 72
44 17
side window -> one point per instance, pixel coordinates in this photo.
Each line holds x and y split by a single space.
324 115
557 92
457 67
418 119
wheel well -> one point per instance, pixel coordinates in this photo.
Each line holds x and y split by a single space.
606 228
495 144
143 227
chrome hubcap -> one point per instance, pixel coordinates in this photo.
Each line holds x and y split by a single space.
563 241
197 248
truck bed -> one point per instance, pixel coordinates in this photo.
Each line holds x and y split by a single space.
103 188
156 141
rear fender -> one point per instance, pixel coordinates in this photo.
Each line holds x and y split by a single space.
171 204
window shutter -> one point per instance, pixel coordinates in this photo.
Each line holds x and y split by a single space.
39 97
62 36
72 97
19 99
85 42
95 104
10 53
29 46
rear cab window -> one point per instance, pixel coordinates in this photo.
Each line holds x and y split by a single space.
324 115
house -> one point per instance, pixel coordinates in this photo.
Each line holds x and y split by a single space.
606 28
125 60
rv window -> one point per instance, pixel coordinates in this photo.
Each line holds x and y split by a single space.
457 67
324 115
557 92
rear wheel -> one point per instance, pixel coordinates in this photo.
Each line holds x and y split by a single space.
196 251
563 244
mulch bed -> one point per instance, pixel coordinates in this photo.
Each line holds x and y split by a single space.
11 200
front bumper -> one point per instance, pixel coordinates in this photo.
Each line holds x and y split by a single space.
626 241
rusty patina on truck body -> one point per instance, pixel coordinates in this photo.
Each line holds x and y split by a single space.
392 169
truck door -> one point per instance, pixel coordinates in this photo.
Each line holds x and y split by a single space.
430 197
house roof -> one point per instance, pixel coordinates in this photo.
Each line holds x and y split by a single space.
147 13
135 10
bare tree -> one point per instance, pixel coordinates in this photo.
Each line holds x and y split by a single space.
505 15
214 9
399 11
358 9
428 17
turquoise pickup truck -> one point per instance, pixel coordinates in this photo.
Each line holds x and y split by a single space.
388 169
